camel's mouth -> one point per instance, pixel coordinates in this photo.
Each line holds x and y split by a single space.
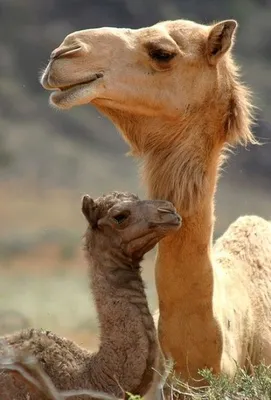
61 96
79 84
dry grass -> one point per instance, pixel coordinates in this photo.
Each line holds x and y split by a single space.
242 387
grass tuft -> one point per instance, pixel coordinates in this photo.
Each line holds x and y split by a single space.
242 387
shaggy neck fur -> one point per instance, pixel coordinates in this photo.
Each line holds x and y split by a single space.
125 324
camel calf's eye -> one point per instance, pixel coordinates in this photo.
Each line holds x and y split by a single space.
161 55
120 218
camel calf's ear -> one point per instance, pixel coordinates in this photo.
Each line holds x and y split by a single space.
89 209
220 40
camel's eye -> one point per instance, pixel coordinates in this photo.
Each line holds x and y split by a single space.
121 217
161 55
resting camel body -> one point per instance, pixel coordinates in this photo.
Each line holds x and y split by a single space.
121 230
174 92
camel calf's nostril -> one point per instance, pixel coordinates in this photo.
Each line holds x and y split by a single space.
165 210
99 75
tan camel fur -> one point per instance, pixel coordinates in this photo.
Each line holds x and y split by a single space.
174 92
121 229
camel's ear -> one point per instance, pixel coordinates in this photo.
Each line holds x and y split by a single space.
89 210
220 40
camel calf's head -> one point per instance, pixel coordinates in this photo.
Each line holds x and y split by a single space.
158 70
120 225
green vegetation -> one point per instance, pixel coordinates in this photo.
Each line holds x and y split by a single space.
243 387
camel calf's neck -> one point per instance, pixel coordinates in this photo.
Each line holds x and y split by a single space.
117 296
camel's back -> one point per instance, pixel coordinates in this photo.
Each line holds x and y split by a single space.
243 265
248 239
243 260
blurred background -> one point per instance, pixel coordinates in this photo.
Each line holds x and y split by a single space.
48 159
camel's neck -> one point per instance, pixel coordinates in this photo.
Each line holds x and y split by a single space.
128 339
184 263
188 179
184 271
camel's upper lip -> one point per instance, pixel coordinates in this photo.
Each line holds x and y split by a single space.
63 88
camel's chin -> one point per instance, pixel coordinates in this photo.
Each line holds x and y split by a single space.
73 96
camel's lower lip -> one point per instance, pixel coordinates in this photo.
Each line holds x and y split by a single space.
65 94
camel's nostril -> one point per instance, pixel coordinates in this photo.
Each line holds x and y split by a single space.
65 52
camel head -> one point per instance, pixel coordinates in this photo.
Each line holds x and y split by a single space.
158 70
121 225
